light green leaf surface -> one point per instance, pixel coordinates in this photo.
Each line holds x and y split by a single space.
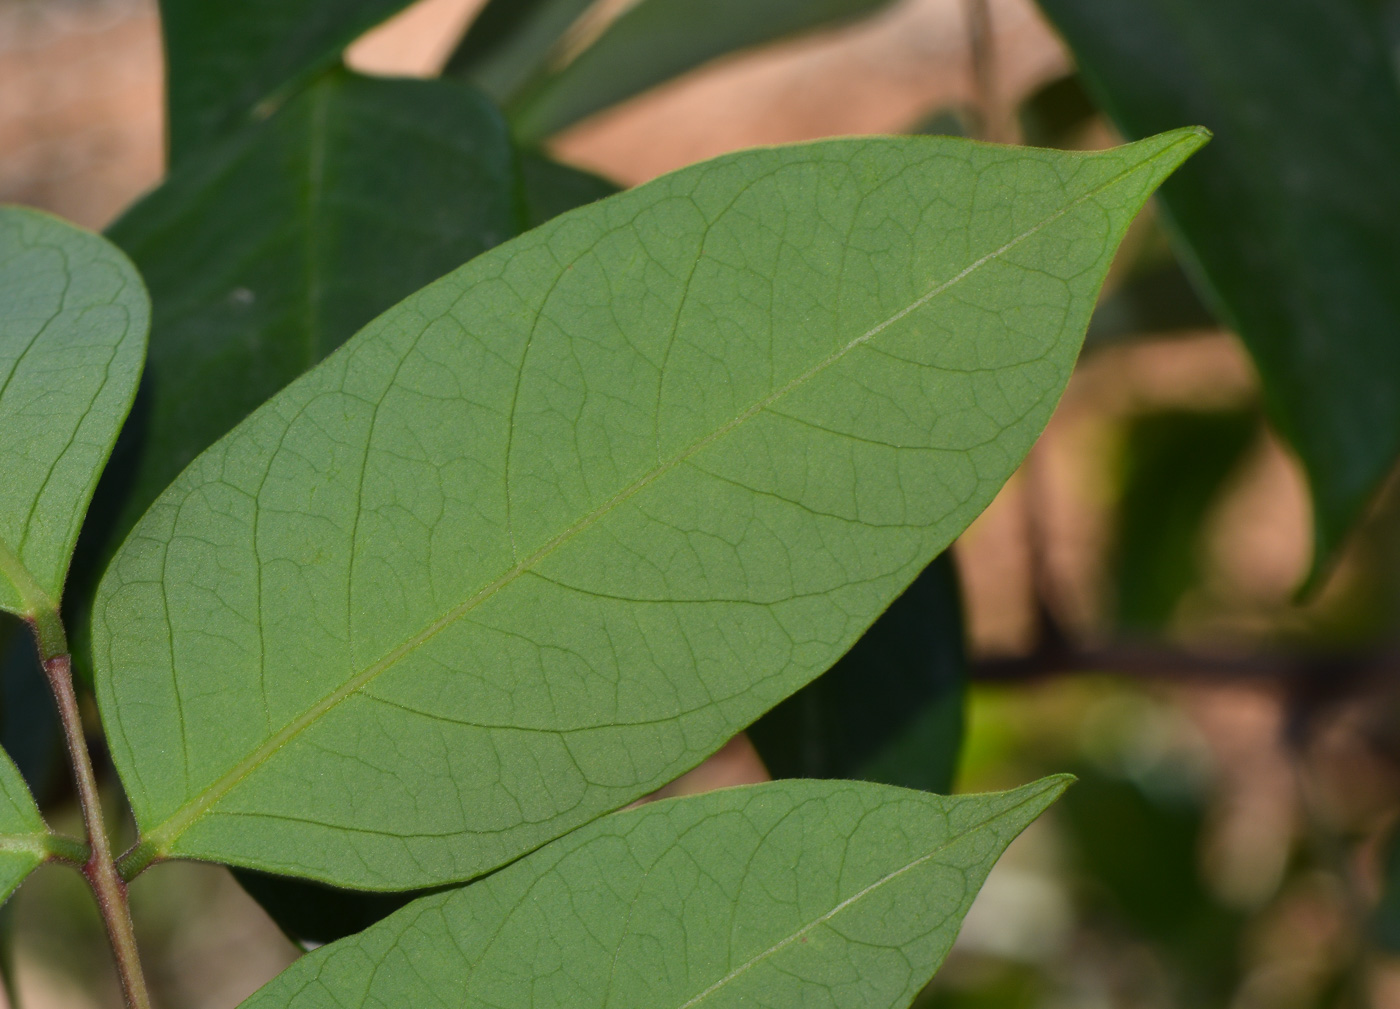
656 40
791 895
548 533
23 834
73 322
229 63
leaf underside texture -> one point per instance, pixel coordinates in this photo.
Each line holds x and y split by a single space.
73 322
550 531
789 895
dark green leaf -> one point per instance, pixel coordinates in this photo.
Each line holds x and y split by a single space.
891 709
1056 114
786 895
656 40
229 61
549 532
1177 465
1292 215
510 42
29 729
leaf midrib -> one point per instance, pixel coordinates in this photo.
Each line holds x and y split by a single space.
159 840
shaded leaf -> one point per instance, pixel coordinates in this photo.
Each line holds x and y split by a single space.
227 64
1177 465
267 253
510 42
656 40
891 709
788 894
1057 114
547 533
1291 216
29 728
73 322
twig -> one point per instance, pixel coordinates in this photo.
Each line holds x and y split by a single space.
100 870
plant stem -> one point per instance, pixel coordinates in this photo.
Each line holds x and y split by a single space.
99 870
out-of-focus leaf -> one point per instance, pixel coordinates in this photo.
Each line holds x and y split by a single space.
29 729
1140 852
229 61
891 710
1291 216
1057 113
1385 918
73 324
510 42
1158 299
789 894
267 253
548 188
314 913
656 40
552 530
1177 464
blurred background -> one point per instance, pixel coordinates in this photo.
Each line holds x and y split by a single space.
1142 603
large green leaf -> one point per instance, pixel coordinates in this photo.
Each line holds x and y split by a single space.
891 709
1292 215
510 42
546 534
267 253
73 323
791 894
24 838
228 63
656 40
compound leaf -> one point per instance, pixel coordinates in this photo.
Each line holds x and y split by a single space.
227 64
73 322
790 894
655 40
1290 218
546 534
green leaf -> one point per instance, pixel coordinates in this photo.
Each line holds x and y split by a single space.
891 709
23 834
655 40
29 728
510 42
228 64
1177 465
790 894
1291 217
267 253
546 534
73 321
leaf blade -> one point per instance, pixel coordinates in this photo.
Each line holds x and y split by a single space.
1288 219
73 320
609 673
757 895
226 62
656 40
266 254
